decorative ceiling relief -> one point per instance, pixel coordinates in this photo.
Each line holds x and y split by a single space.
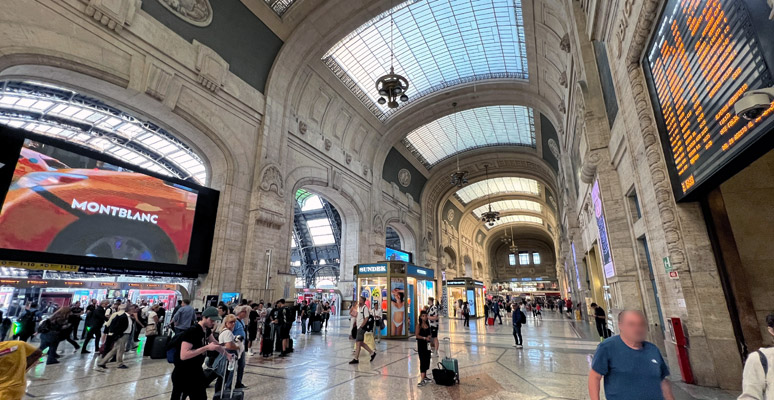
195 12
404 177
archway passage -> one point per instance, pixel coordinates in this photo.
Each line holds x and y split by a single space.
392 239
315 240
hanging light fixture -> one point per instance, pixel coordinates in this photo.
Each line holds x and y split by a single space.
489 217
458 178
512 248
392 86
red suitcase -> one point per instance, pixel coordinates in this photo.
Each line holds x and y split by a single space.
490 321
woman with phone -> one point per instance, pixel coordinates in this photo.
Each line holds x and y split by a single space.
423 338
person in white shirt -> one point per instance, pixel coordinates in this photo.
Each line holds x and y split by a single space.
363 314
432 319
757 380
119 332
227 338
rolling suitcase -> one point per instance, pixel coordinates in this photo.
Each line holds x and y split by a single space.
316 326
448 362
159 347
230 393
266 346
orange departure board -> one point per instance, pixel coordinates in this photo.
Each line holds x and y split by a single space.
704 55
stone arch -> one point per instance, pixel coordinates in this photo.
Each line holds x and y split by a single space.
468 265
407 238
449 259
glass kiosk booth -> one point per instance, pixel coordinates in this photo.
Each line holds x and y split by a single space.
397 290
466 289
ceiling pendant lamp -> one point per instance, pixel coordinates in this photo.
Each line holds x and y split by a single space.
392 87
512 248
489 217
458 178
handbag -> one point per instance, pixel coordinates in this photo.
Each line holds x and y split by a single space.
151 330
368 339
443 376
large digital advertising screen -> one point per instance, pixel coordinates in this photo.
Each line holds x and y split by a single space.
66 204
703 57
397 255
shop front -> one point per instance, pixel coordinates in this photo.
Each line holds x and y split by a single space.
330 296
406 286
461 290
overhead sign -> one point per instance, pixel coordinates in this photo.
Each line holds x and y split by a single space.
42 266
372 269
425 272
456 282
703 57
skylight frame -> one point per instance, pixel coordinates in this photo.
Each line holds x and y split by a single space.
510 205
491 31
92 124
280 7
517 218
498 185
501 125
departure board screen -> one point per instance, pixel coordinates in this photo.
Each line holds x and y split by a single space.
703 57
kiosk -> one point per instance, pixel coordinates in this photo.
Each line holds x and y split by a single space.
398 291
465 289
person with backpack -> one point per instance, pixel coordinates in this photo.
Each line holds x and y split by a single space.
188 349
757 382
518 318
51 333
364 323
118 335
27 322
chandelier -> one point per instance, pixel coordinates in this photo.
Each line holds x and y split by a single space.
489 217
512 248
392 86
458 178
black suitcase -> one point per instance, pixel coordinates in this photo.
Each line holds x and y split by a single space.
230 393
316 326
266 346
159 347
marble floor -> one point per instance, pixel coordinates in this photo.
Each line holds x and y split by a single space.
553 365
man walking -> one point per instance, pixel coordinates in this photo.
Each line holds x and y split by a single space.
184 318
94 322
188 379
119 333
304 316
518 318
633 368
432 319
601 320
496 309
363 314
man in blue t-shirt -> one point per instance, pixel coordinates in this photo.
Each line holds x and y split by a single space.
633 368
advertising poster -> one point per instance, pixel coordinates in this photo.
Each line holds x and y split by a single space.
604 245
398 307
65 203
410 308
575 262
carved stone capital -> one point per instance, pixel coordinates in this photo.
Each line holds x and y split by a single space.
212 68
589 168
270 219
271 180
378 224
113 14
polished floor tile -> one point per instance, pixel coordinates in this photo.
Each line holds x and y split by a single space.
553 365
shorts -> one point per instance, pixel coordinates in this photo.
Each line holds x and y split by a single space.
285 331
434 331
360 335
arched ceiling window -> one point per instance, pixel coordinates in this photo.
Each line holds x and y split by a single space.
507 184
509 205
438 44
72 117
478 127
516 218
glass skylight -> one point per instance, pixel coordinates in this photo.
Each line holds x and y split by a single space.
312 203
478 127
524 258
512 259
66 115
437 44
516 218
280 7
320 231
508 205
508 184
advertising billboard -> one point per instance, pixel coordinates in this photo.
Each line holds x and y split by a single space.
604 244
65 204
397 255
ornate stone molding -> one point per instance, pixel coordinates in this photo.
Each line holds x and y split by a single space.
378 224
589 168
212 68
271 180
565 43
302 127
195 12
327 143
113 14
270 219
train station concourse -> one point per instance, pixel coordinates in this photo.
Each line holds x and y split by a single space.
428 199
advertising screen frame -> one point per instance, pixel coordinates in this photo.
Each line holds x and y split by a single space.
202 232
748 150
399 252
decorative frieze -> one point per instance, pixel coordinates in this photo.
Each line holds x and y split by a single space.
212 68
113 14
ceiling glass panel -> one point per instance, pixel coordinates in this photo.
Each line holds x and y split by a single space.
438 44
280 7
478 127
508 184
508 205
516 218
66 115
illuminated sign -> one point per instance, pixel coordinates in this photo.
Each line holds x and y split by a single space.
107 284
9 281
372 269
604 244
414 270
478 283
73 283
34 282
704 56
34 265
455 283
135 285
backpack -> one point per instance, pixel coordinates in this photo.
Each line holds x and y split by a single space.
173 348
523 318
369 326
764 363
27 321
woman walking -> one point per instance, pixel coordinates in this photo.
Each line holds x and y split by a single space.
51 331
423 339
152 329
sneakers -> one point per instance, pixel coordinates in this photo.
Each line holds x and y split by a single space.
122 366
355 361
373 356
424 382
518 346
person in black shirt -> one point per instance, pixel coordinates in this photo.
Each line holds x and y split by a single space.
304 316
188 379
424 338
601 319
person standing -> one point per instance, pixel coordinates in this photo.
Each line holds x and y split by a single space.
432 320
28 322
188 379
304 316
600 318
5 326
424 337
518 317
183 318
568 305
363 314
227 338
119 334
496 309
466 314
16 358
241 313
757 380
152 329
633 368
252 328
560 306
326 313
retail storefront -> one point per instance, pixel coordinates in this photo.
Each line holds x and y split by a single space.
465 290
331 296
408 287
